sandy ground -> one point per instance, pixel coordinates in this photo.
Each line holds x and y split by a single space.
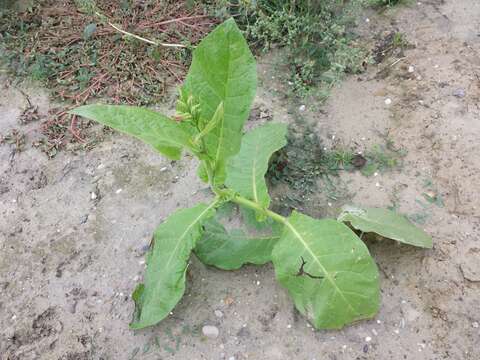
69 262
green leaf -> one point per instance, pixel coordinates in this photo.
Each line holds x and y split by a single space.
338 283
89 30
212 124
164 280
246 170
223 69
164 134
229 251
385 223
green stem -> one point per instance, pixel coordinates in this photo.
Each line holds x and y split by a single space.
240 200
209 169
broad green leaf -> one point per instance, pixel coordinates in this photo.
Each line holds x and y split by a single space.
223 69
164 134
385 223
338 282
246 170
164 280
229 251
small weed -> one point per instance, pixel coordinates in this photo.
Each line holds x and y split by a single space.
381 158
15 138
394 43
431 194
307 167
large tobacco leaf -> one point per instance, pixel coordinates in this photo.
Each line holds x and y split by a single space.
223 69
164 134
385 223
230 251
164 280
246 170
327 270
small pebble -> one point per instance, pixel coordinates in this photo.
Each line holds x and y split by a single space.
218 313
388 101
302 108
210 331
475 325
118 191
411 69
93 196
163 169
460 93
368 339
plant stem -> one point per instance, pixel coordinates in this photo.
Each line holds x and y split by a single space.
209 169
253 205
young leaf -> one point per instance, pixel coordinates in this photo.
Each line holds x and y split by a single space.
165 135
229 251
212 124
327 270
164 281
385 223
246 170
223 70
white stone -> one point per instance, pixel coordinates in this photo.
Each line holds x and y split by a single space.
210 331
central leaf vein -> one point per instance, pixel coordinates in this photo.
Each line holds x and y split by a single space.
322 268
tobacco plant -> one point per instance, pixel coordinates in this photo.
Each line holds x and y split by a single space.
325 267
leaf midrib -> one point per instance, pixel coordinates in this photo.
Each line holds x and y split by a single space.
325 272
225 96
197 219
